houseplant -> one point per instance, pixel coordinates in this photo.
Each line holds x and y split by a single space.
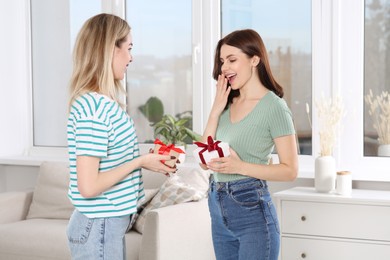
153 109
330 112
167 128
175 130
379 110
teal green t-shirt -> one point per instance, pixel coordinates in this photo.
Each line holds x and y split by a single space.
253 137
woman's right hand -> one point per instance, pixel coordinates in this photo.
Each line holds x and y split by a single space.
152 161
221 96
220 100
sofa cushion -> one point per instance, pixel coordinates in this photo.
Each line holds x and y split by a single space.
149 194
45 239
189 184
50 199
152 180
20 202
34 239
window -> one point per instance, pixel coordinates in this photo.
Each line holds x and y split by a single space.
54 27
376 77
352 51
285 27
335 47
161 75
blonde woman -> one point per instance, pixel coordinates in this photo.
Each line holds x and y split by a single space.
105 164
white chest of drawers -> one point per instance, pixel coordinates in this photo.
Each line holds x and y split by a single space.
319 226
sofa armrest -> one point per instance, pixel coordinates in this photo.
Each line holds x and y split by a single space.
14 205
181 231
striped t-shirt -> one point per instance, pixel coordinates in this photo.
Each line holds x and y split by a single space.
253 137
99 127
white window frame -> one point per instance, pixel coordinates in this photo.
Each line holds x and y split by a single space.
338 52
338 69
351 81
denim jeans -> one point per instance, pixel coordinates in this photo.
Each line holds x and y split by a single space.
97 238
244 220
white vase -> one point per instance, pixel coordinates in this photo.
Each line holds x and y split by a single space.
325 174
384 150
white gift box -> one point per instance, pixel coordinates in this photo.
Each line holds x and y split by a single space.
213 154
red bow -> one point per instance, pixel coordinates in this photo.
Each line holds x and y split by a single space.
165 149
210 146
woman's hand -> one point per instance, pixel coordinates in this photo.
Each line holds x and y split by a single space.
228 165
221 96
152 161
220 100
203 166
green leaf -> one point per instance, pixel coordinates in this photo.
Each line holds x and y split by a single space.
175 129
153 109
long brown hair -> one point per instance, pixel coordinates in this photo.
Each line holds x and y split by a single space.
93 54
250 43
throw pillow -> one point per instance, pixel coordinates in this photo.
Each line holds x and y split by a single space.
149 194
188 184
50 197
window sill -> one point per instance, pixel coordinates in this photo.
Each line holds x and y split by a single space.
36 160
29 160
306 169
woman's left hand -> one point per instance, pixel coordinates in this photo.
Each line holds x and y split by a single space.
228 165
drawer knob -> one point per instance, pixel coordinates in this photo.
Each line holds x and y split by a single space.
303 218
303 255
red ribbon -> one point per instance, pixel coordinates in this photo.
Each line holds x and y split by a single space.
210 146
165 149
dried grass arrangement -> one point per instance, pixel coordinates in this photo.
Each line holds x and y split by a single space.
379 110
330 112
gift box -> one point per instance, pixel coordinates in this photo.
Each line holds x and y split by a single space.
212 149
161 148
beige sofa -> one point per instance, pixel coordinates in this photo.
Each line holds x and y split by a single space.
33 223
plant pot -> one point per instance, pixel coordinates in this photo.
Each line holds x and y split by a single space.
325 174
384 150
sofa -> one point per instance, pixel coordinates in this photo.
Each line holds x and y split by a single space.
174 222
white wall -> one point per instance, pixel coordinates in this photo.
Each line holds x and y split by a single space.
14 74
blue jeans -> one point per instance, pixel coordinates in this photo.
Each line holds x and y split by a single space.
244 221
97 238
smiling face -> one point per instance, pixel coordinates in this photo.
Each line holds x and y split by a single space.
122 58
237 67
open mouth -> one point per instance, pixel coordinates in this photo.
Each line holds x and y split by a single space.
231 77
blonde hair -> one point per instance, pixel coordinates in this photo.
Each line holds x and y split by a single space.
93 54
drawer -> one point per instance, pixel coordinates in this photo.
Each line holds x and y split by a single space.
321 249
336 220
